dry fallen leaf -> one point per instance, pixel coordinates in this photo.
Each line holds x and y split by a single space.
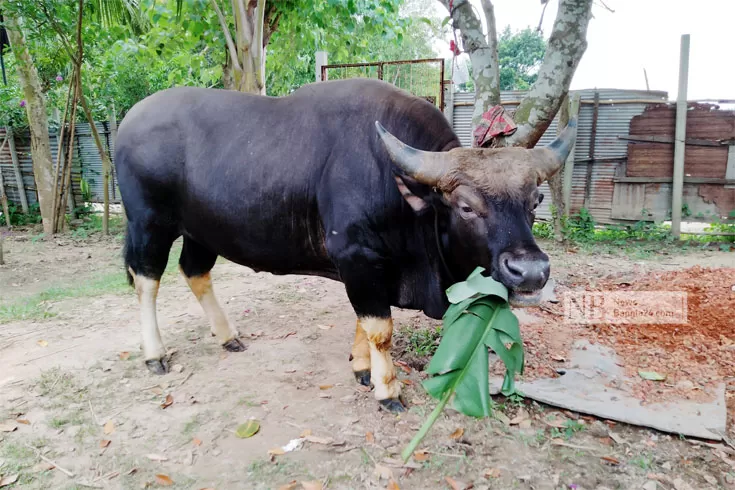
392 485
8 426
8 480
312 485
156 457
325 327
369 437
420 456
104 443
457 434
319 440
325 395
23 421
277 451
109 427
124 356
404 366
168 402
492 473
306 432
325 387
558 358
520 417
289 486
248 429
611 460
456 485
196 441
42 343
383 472
41 467
164 480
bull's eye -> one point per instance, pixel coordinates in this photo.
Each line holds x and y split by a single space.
466 212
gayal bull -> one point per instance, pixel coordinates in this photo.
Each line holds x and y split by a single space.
353 180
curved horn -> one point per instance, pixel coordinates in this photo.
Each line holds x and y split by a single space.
425 166
559 150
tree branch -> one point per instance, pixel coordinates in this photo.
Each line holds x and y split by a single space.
482 51
567 44
228 36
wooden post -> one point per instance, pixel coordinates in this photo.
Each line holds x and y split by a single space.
105 166
591 163
16 170
2 258
677 188
3 196
113 143
569 164
321 60
4 201
556 181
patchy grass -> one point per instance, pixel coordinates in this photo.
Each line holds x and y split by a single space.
40 306
17 460
639 240
422 342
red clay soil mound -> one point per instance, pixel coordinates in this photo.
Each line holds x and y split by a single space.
694 356
698 353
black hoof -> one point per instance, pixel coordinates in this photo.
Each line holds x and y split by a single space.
157 366
393 405
234 345
363 377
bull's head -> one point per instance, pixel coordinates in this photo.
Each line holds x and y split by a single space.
490 197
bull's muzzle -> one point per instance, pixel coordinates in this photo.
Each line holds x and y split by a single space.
525 275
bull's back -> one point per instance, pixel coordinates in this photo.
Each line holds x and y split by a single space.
228 172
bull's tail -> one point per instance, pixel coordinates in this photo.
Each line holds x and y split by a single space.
126 255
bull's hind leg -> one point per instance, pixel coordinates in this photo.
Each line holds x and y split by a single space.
146 253
195 264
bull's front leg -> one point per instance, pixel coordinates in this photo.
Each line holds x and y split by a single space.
368 283
360 356
379 333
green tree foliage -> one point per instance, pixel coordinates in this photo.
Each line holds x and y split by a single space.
349 39
159 47
520 55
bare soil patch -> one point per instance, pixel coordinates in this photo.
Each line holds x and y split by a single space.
74 390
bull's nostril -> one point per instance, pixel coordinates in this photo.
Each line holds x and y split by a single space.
513 268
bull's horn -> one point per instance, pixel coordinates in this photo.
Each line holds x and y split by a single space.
425 166
559 150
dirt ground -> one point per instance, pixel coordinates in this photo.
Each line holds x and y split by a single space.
78 409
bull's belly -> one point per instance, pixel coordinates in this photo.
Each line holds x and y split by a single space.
279 252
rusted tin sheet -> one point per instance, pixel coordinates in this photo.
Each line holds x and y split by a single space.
657 160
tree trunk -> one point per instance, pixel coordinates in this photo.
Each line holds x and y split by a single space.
38 121
483 53
567 44
246 49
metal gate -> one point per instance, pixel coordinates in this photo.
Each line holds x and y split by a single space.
423 78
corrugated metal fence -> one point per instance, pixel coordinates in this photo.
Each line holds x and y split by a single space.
615 110
87 165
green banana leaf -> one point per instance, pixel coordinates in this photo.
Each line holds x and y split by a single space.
478 318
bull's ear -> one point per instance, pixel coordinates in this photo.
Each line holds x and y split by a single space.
417 195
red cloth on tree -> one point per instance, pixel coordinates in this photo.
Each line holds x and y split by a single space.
495 122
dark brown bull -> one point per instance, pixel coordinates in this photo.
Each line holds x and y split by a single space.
306 184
